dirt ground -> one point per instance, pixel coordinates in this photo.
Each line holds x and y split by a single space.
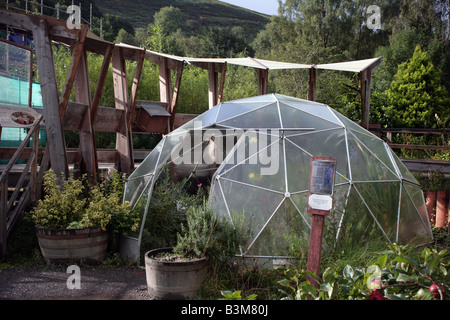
125 283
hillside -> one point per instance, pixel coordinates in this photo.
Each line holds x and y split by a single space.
198 13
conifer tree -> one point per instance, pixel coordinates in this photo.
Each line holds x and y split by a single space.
416 95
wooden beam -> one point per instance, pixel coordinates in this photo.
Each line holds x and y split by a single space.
365 81
263 81
124 144
222 83
50 99
101 82
135 86
212 85
87 148
176 91
77 51
165 83
312 84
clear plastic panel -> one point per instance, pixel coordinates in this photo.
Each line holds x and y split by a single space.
358 225
382 199
319 110
257 204
265 117
366 166
377 147
329 143
412 228
298 165
284 232
258 165
293 118
233 109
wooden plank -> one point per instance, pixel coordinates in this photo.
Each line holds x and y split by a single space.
418 146
212 84
135 86
176 90
315 246
312 84
124 144
50 99
222 83
101 82
165 82
87 147
365 81
263 80
77 52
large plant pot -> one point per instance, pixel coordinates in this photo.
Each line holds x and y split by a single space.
70 245
173 280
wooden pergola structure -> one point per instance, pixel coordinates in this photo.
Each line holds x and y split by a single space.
86 115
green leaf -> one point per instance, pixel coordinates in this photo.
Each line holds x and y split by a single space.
348 272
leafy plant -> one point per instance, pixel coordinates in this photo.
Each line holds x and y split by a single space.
401 278
67 207
208 235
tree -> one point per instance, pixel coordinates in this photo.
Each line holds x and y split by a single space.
416 95
170 19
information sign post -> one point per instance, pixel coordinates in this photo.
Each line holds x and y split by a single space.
320 205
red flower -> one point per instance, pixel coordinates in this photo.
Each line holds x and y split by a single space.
375 295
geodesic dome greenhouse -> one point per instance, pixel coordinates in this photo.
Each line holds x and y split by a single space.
256 155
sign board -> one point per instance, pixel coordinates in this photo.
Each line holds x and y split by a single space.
17 116
321 185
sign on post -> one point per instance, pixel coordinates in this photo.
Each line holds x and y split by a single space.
321 185
320 205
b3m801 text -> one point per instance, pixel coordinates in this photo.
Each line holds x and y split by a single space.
250 309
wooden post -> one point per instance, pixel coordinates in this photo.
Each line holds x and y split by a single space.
124 141
263 81
135 85
87 147
101 82
320 205
222 83
212 84
50 98
165 83
312 84
365 81
176 92
77 51
315 246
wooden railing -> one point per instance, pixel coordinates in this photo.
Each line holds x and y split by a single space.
13 200
417 165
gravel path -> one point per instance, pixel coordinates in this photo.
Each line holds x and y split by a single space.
95 284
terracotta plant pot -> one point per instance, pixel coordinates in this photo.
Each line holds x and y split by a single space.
441 209
431 197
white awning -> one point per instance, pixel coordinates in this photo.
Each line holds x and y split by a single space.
352 66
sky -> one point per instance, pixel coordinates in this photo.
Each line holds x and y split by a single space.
269 7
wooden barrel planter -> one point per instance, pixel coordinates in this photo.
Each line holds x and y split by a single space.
173 280
70 245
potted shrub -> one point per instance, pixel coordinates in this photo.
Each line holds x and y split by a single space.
178 272
75 221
